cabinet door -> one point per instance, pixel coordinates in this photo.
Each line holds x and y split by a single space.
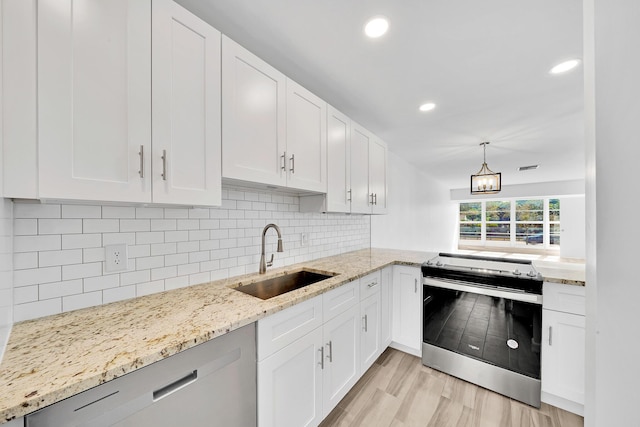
306 139
563 354
253 117
186 108
360 195
385 307
290 384
378 175
94 99
342 358
407 308
338 161
370 331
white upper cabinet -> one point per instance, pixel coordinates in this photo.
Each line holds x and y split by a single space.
338 161
360 195
94 99
306 139
253 117
186 107
97 86
378 175
274 130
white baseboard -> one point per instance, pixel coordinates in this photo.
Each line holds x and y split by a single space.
406 349
562 403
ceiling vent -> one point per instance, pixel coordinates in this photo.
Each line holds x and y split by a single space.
528 168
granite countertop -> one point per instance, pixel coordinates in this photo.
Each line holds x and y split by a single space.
55 357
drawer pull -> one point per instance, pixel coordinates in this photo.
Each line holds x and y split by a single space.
321 363
372 284
164 165
330 356
141 154
415 286
175 386
550 334
365 323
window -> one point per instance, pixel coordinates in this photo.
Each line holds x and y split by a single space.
511 223
470 221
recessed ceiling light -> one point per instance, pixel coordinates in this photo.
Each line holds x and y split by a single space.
427 106
528 168
376 27
565 66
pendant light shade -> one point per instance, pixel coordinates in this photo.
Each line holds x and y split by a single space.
485 181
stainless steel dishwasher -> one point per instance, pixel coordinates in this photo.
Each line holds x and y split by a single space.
212 384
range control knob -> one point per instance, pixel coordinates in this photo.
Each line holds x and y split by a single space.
516 272
429 262
531 273
439 264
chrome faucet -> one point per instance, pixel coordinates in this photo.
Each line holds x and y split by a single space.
263 264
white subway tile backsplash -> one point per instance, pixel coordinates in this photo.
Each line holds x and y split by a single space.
118 294
149 288
101 282
25 294
35 276
149 213
36 243
25 227
35 309
100 225
79 271
168 247
25 260
80 241
81 211
134 277
118 212
87 299
36 210
60 289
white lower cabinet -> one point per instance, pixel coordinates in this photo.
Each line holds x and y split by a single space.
290 384
370 332
386 298
310 355
341 357
563 347
407 309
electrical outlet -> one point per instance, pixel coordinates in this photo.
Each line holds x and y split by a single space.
116 258
304 239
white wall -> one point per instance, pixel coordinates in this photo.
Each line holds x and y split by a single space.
536 189
420 215
58 249
612 67
572 227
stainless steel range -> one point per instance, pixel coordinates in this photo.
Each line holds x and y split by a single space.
482 322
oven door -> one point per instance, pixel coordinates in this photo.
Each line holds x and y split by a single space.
492 325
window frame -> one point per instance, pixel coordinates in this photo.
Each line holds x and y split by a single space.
512 243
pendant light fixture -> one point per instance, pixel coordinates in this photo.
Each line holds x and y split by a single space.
485 181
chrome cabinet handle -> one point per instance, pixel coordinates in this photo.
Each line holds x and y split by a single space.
164 165
283 157
174 386
415 285
375 199
365 323
372 284
141 154
550 333
321 350
330 356
293 163
371 195
349 193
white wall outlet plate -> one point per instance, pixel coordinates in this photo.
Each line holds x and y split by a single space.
116 258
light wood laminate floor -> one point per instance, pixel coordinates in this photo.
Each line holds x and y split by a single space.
398 391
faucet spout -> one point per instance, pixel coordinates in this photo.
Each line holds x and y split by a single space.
263 263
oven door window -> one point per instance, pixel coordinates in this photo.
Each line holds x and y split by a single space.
503 332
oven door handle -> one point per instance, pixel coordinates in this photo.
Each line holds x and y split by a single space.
493 292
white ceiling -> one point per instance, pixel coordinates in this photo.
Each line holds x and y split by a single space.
484 63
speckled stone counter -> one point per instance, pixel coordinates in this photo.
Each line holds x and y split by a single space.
52 358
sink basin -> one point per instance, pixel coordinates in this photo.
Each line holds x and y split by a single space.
275 286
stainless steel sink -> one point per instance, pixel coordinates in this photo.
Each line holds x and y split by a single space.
279 285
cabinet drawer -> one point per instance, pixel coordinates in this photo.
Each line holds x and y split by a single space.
565 298
286 326
340 299
370 285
